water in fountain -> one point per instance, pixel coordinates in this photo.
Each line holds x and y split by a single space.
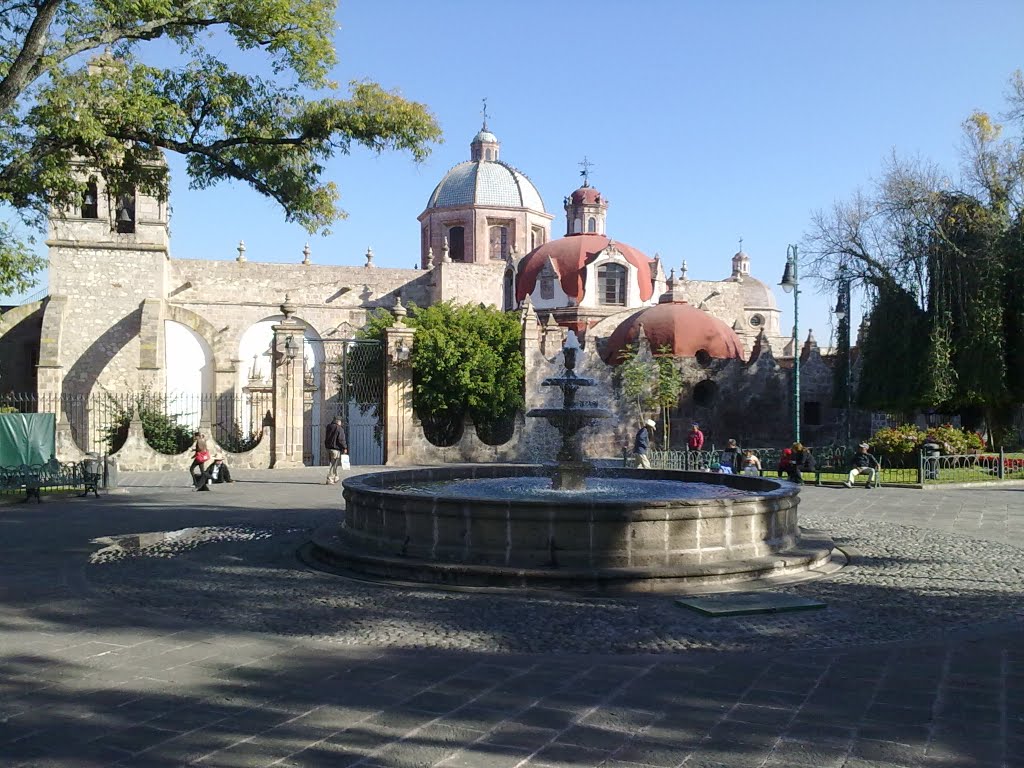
509 525
571 469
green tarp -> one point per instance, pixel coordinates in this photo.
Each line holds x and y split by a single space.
26 438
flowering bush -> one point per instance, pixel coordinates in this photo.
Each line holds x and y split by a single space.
897 441
957 440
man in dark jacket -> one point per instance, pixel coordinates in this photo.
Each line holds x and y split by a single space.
642 443
337 446
863 464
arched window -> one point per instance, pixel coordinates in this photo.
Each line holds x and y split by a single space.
457 243
499 242
577 225
591 224
510 290
490 154
536 237
611 284
90 202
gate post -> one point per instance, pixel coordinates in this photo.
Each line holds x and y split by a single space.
287 364
398 411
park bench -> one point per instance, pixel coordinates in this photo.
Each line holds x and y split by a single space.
33 478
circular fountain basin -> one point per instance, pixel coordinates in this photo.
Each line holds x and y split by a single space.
502 525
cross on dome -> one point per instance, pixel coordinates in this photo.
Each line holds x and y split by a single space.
586 165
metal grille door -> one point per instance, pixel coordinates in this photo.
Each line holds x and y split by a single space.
346 377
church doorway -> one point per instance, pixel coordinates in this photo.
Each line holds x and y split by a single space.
347 380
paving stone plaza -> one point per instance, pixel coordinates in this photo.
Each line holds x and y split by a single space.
159 627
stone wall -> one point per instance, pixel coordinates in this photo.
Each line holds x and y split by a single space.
136 455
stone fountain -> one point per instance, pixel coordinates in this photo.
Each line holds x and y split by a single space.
571 470
537 526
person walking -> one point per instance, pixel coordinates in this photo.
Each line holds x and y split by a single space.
863 464
337 446
200 458
642 443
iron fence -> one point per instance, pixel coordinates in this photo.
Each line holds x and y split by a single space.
99 421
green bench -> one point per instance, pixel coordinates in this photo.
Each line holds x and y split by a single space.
33 478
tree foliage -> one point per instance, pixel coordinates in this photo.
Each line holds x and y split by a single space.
75 91
940 262
466 360
651 383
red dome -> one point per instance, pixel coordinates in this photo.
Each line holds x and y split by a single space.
679 326
585 195
570 254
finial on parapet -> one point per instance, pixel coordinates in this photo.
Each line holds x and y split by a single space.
399 311
682 271
369 256
430 256
287 308
241 251
305 254
446 253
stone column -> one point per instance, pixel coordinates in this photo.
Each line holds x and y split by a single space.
288 386
399 418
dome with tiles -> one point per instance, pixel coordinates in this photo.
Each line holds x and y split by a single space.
485 181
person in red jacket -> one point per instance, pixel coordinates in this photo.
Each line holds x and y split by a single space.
695 439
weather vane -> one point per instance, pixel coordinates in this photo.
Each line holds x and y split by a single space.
586 165
484 113
741 244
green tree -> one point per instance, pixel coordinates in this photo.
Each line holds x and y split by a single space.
465 359
940 261
651 384
75 92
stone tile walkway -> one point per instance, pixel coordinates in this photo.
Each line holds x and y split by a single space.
216 647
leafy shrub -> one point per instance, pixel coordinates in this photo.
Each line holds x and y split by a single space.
236 439
958 440
162 430
897 441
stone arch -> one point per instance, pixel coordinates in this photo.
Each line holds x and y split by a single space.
204 328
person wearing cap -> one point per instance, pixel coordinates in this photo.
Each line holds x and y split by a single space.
337 446
641 443
219 472
863 464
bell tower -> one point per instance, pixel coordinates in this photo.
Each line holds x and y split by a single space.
586 209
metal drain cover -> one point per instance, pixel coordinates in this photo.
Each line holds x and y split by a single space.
747 603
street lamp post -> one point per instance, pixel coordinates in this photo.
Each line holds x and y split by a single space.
844 317
791 284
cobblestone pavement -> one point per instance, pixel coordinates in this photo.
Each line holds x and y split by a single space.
160 627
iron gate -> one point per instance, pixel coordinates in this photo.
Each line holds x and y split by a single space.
344 377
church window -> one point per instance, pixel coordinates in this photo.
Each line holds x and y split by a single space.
756 321
536 237
577 225
510 290
591 224
611 284
499 242
547 287
90 201
490 154
457 243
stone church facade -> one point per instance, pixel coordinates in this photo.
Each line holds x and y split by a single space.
122 315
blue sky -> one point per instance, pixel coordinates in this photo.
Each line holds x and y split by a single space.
705 121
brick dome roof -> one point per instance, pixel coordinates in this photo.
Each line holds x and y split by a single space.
570 255
679 326
585 196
